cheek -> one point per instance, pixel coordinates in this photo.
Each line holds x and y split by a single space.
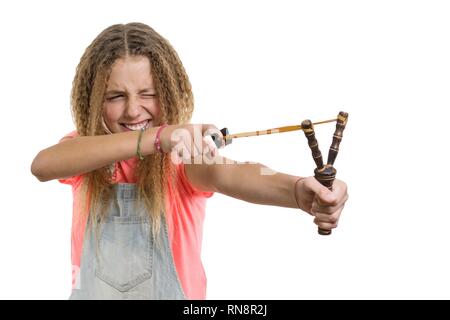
153 107
111 113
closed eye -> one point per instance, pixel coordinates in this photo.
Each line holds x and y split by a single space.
116 97
148 95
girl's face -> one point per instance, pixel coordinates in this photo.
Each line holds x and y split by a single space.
130 99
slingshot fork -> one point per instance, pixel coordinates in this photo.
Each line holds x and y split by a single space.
325 174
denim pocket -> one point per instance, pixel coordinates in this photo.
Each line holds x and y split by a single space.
125 253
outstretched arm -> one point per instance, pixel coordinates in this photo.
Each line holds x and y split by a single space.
250 182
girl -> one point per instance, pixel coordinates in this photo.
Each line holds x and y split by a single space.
138 210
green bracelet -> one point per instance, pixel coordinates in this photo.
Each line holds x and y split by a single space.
138 150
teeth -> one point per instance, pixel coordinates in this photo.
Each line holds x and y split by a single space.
138 126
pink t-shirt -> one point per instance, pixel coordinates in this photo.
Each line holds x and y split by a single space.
185 212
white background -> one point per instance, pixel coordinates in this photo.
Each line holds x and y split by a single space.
255 65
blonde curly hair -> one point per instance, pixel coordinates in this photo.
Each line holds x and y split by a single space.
176 101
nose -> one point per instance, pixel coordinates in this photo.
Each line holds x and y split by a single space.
133 108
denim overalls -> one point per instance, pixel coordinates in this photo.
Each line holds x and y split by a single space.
125 262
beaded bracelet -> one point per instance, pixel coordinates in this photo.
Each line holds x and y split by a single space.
158 139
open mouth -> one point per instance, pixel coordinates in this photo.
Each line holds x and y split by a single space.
137 126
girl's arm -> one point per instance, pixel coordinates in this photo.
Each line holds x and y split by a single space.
251 182
254 183
75 156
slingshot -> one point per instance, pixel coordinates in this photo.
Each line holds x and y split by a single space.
325 174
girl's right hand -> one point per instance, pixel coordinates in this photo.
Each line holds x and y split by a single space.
190 141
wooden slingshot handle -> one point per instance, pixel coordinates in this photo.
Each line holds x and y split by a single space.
326 177
325 174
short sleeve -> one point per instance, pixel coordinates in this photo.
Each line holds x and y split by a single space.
186 184
75 180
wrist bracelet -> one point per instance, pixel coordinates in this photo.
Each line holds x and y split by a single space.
295 190
158 139
138 149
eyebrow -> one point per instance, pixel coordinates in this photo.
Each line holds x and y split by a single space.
123 92
114 92
147 90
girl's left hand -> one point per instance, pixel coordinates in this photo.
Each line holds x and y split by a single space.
325 205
